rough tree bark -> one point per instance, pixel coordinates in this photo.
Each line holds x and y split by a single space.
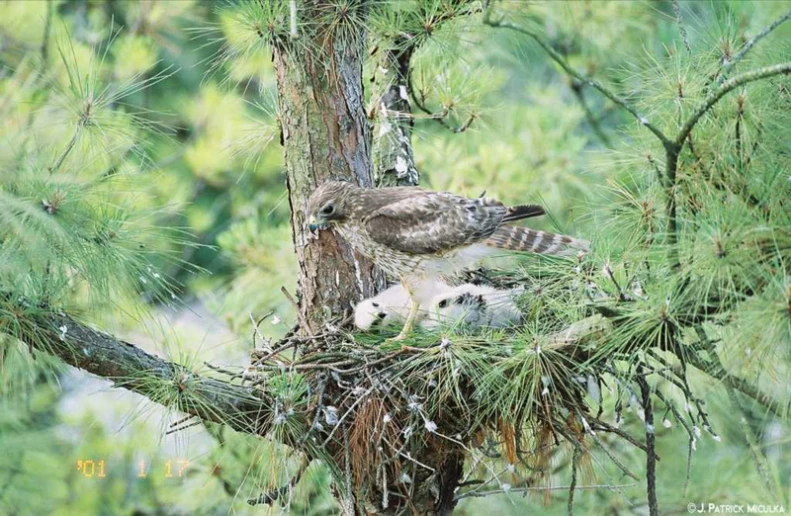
325 135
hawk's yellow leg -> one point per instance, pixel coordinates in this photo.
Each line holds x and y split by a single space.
414 307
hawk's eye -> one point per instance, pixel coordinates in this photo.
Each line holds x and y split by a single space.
443 303
327 210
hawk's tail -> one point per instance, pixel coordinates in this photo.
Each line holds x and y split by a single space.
523 211
515 238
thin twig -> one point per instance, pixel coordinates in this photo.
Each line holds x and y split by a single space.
612 457
45 39
218 369
69 146
731 63
292 12
349 411
575 462
442 116
759 458
598 424
256 324
475 494
302 321
180 428
681 28
716 370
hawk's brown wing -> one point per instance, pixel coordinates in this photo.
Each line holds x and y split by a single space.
434 222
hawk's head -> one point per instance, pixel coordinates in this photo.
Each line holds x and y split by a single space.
328 204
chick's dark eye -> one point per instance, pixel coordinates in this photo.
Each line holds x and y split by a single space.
327 210
443 303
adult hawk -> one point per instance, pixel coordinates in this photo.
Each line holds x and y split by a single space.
416 235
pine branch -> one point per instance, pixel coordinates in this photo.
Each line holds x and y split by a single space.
593 121
131 368
672 147
394 159
726 87
584 79
716 370
731 63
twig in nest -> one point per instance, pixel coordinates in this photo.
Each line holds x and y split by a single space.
349 411
289 343
319 405
276 494
302 321
218 369
256 324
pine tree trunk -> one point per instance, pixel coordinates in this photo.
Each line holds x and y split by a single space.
325 135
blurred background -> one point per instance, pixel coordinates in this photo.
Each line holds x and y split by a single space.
188 135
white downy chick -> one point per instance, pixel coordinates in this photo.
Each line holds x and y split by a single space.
473 305
392 305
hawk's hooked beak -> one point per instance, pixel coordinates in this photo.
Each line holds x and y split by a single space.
315 224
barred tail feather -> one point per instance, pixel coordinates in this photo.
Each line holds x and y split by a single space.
516 238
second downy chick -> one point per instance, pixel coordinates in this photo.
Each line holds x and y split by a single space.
392 305
473 305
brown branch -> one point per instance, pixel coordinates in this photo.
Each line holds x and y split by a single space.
131 368
650 440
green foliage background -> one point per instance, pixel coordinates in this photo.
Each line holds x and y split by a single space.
142 186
